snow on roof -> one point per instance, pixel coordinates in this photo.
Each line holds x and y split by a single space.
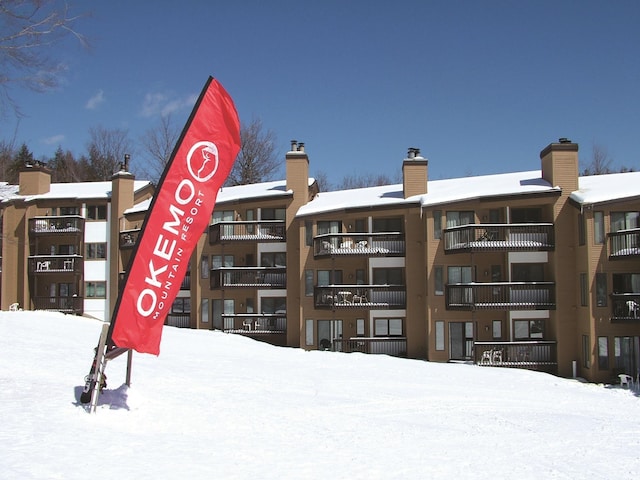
139 207
255 190
606 188
75 191
439 192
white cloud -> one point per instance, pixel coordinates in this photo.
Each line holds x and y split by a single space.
54 139
95 101
162 104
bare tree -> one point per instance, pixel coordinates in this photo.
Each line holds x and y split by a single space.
600 162
322 179
257 161
29 33
106 151
365 180
158 144
6 157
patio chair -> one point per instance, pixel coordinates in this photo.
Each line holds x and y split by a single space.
625 380
247 324
632 306
487 357
14 307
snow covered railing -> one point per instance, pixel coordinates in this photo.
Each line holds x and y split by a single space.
530 355
501 296
360 296
248 277
257 231
56 225
366 244
395 346
72 304
255 323
499 237
624 243
55 264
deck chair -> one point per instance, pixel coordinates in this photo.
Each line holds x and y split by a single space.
626 380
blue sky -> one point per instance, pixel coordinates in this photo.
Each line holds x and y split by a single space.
479 86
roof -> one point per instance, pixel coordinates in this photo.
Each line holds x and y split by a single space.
607 188
69 191
439 192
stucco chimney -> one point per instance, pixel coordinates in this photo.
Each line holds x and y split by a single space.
414 173
34 179
560 165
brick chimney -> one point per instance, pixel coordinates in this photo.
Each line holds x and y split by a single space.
34 179
414 173
560 165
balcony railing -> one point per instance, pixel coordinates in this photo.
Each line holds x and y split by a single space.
71 224
362 244
46 264
255 323
180 320
249 277
499 237
395 346
129 238
625 307
73 305
624 244
531 355
360 296
256 231
501 296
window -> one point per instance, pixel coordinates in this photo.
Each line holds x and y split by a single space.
69 211
181 305
526 215
204 310
387 327
437 224
308 331
598 227
273 214
459 275
388 276
603 353
308 283
624 220
95 251
329 277
601 289
273 259
455 219
497 330
584 290
360 327
439 335
95 290
218 261
204 266
222 216
393 224
217 314
626 282
66 249
586 354
581 229
97 212
527 272
528 329
438 280
308 233
274 304
360 276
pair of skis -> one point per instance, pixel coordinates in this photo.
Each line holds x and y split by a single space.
96 375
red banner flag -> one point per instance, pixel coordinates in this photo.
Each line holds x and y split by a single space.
179 213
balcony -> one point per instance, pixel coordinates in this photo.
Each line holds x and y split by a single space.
129 238
394 346
361 296
625 307
624 244
47 264
255 231
359 244
249 277
72 305
71 224
501 296
541 355
180 320
255 323
511 237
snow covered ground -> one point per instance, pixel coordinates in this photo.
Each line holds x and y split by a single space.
216 405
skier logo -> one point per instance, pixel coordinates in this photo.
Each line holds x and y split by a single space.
202 161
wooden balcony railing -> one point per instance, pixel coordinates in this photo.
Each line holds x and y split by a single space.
360 296
395 346
625 307
531 355
47 264
256 323
249 277
73 305
624 244
501 296
256 231
65 225
180 320
362 244
499 237
129 238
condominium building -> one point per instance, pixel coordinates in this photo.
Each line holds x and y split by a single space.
537 269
